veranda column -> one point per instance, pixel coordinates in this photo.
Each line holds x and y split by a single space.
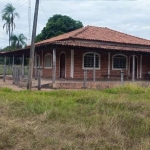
133 68
141 67
72 64
109 65
22 64
54 66
94 68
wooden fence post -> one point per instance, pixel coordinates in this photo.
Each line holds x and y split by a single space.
4 72
13 74
85 78
122 76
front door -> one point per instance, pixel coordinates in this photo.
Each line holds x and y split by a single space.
136 67
62 65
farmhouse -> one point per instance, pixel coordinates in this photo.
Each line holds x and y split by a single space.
102 52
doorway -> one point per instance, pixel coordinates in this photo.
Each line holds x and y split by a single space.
62 65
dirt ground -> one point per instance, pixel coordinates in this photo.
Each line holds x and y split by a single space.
9 84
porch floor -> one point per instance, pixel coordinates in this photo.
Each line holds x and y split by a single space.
46 83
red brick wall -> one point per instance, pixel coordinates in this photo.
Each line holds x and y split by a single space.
78 58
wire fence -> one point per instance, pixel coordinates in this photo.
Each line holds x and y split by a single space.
120 77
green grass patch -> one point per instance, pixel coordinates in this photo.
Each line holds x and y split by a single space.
117 118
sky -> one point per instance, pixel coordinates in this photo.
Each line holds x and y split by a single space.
127 16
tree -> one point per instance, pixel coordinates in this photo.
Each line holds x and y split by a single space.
8 15
57 25
18 41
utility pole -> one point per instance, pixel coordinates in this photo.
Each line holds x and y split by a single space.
29 22
32 49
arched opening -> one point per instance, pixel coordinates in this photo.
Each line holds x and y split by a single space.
88 60
48 61
119 62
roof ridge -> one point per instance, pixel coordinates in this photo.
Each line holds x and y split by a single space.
84 28
127 34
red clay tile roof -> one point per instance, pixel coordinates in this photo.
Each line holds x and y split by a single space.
62 36
98 34
99 46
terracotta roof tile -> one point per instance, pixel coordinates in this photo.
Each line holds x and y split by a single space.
102 47
62 36
106 34
98 34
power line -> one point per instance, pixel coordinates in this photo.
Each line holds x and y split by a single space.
29 21
43 10
21 4
17 2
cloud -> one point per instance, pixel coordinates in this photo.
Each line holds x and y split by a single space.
131 17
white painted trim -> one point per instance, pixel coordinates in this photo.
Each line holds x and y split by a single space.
132 68
140 66
109 65
93 67
129 67
65 62
48 54
72 64
54 66
113 62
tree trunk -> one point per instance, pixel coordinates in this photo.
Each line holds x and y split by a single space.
9 36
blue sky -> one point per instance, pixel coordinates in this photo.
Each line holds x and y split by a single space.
128 16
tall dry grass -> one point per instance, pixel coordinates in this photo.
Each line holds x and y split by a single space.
111 119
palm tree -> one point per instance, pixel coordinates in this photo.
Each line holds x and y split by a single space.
7 25
18 41
9 14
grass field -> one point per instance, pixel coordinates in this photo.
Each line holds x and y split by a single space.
111 119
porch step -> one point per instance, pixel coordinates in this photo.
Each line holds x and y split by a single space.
89 85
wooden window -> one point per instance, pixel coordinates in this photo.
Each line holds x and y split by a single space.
119 62
48 61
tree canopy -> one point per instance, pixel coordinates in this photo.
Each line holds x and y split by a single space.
18 41
8 15
57 25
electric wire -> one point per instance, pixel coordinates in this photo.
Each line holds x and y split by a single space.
43 10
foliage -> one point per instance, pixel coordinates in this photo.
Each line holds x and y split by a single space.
8 15
18 41
57 25
117 118
7 48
